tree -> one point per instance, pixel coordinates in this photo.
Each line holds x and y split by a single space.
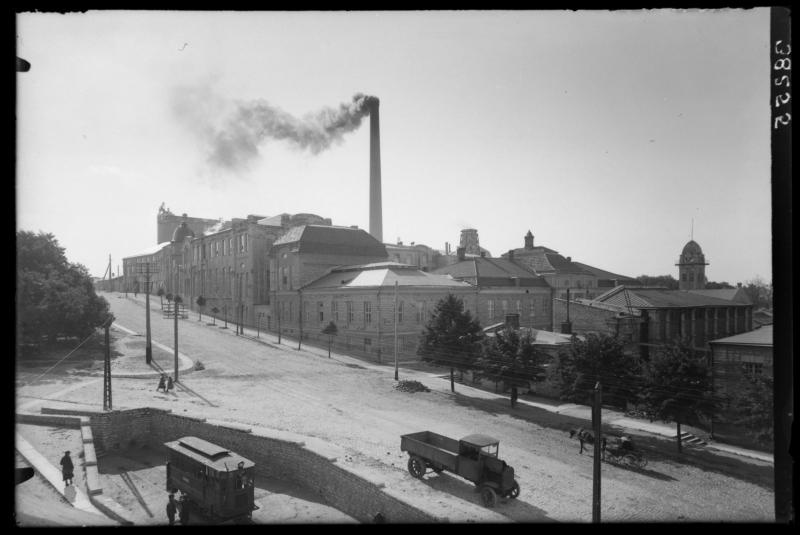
201 302
719 286
599 357
511 356
331 330
754 408
451 337
160 293
668 281
759 292
55 298
677 386
215 311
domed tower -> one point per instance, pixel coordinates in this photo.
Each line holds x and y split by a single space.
692 267
182 231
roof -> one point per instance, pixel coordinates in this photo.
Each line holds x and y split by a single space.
382 275
479 440
325 239
219 458
150 250
729 294
492 272
759 337
601 274
692 247
661 298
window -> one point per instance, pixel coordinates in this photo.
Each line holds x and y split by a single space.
400 312
420 312
519 307
532 306
284 277
305 311
367 343
350 313
321 310
367 312
683 277
224 249
291 312
335 310
491 309
505 307
216 248
752 369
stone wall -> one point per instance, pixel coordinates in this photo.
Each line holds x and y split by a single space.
311 463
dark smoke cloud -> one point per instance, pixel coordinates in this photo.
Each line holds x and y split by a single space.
235 140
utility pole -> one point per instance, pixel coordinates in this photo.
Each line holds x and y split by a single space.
147 268
395 331
300 317
598 429
107 368
176 302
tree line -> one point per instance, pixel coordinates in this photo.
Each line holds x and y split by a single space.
674 384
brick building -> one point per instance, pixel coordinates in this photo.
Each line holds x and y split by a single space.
739 356
502 287
360 301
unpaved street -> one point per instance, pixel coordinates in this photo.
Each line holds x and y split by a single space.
358 408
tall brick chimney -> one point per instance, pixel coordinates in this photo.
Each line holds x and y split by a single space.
375 210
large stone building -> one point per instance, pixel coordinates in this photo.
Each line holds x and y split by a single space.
166 222
360 301
502 288
742 356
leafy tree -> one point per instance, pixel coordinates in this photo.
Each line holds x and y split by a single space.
215 311
55 298
677 386
511 356
759 292
668 281
753 405
160 293
599 357
331 330
451 337
169 297
719 286
201 302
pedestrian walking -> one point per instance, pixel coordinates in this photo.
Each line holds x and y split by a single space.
67 468
170 383
162 383
183 510
514 396
171 509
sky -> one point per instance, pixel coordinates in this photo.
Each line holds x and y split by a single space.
614 137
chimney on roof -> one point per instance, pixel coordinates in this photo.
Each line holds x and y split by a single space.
375 210
529 240
461 253
398 241
483 254
569 259
511 254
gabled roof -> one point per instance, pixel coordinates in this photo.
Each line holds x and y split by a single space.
492 272
759 337
382 275
607 275
209 454
150 250
325 239
479 440
729 294
660 298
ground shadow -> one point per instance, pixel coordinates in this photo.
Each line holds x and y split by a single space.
518 509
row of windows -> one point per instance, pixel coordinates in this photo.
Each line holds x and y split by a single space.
501 308
224 246
347 313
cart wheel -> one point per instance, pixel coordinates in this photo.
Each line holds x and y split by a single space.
416 467
514 492
489 496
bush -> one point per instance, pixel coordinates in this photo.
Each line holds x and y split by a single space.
199 366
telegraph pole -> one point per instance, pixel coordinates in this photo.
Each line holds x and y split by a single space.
175 303
596 416
146 268
107 368
300 318
395 331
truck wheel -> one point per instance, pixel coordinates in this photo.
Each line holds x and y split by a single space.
489 496
416 467
514 492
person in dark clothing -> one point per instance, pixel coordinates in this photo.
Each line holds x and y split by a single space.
183 510
514 396
67 468
170 384
162 383
171 508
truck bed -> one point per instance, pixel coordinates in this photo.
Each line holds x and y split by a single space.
439 449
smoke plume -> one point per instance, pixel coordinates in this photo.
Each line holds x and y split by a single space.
234 142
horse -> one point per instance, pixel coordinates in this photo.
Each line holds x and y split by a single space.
586 436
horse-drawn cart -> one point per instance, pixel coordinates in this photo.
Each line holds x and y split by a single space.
620 451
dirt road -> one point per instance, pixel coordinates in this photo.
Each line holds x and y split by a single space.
360 410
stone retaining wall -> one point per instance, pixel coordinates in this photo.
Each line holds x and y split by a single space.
308 462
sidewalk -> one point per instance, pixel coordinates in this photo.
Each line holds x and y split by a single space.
610 417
